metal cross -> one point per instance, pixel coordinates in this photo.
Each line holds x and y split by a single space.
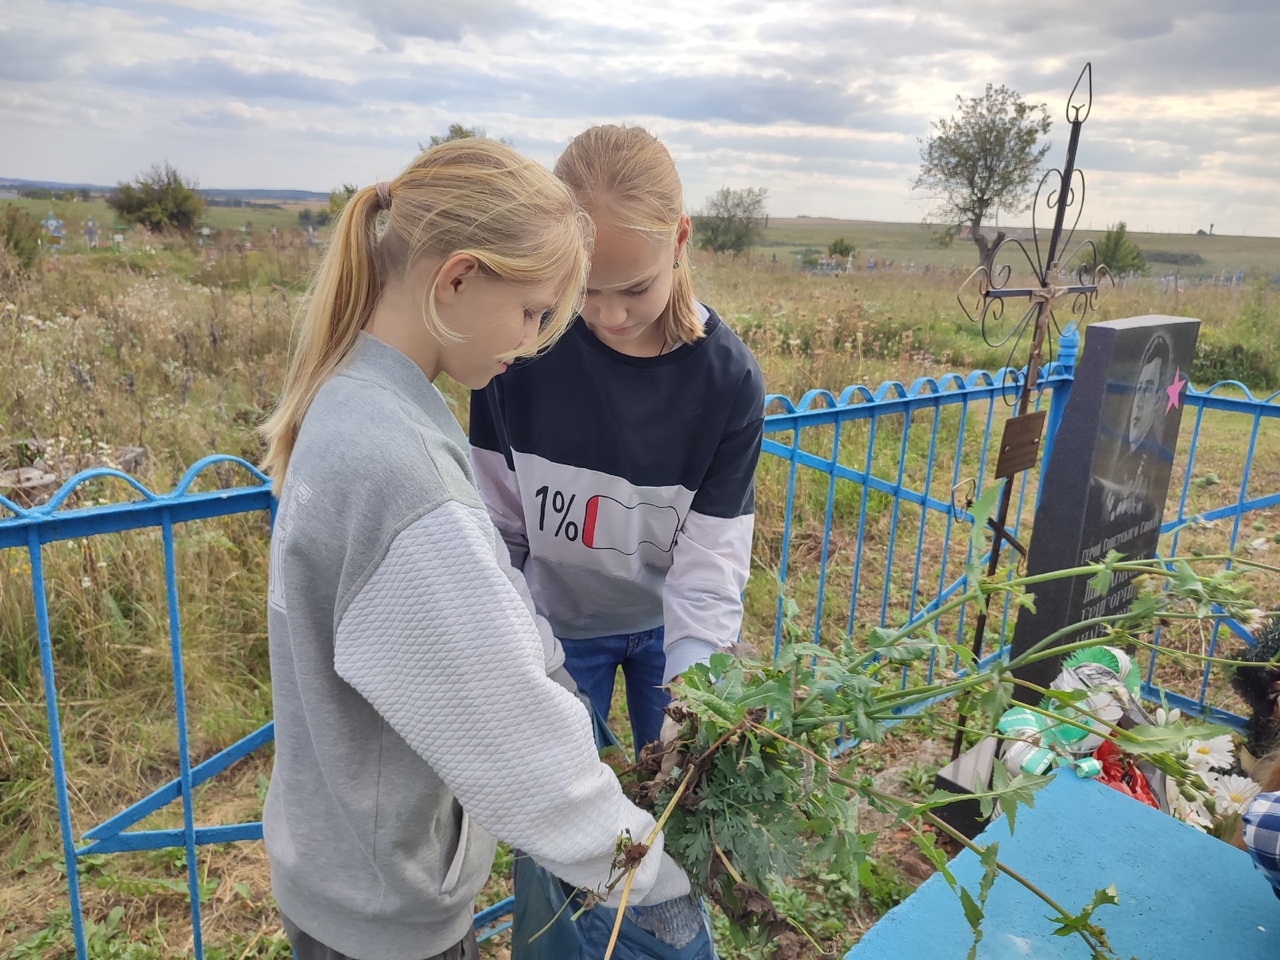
988 289
982 296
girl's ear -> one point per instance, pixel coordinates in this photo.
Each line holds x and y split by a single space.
682 232
459 271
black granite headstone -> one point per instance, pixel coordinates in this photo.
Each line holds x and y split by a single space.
1107 477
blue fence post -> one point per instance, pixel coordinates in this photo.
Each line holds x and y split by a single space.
1068 351
180 713
45 639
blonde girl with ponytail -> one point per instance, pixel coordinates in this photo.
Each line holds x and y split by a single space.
421 709
619 466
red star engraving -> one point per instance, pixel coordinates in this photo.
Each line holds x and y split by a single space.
1174 390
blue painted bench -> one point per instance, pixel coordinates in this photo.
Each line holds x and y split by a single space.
1183 895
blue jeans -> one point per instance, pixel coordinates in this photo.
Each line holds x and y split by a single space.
594 663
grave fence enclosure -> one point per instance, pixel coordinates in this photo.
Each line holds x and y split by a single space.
870 491
867 492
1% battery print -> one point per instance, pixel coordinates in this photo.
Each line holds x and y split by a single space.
606 523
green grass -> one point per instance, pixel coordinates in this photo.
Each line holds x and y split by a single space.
183 353
906 243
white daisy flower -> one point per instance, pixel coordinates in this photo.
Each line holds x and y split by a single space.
1233 794
1212 754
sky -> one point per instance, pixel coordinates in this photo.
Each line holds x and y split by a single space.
822 103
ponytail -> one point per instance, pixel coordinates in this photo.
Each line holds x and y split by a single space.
339 302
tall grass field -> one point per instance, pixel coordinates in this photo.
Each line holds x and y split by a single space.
155 353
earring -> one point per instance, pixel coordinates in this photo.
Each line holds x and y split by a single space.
676 265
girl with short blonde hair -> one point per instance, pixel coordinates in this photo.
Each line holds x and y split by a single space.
619 466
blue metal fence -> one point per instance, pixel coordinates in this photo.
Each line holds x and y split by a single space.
32 528
850 563
867 487
1232 405
904 462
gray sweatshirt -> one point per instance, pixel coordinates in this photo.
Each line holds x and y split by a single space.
415 721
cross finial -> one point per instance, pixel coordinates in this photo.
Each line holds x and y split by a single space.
982 296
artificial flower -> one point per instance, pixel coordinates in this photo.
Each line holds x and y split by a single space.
1232 794
1212 754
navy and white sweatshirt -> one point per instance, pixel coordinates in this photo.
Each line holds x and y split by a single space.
624 486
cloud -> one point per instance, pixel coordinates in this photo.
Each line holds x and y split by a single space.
822 103
232 118
395 21
24 57
213 76
744 98
738 98
1141 28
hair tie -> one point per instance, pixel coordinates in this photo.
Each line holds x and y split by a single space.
384 194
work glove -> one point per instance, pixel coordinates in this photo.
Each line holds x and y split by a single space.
669 911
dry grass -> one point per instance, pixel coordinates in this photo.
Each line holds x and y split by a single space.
181 355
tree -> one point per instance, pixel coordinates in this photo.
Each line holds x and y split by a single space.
981 161
732 220
458 132
160 198
338 199
840 247
1119 252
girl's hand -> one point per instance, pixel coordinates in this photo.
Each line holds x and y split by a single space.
670 733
